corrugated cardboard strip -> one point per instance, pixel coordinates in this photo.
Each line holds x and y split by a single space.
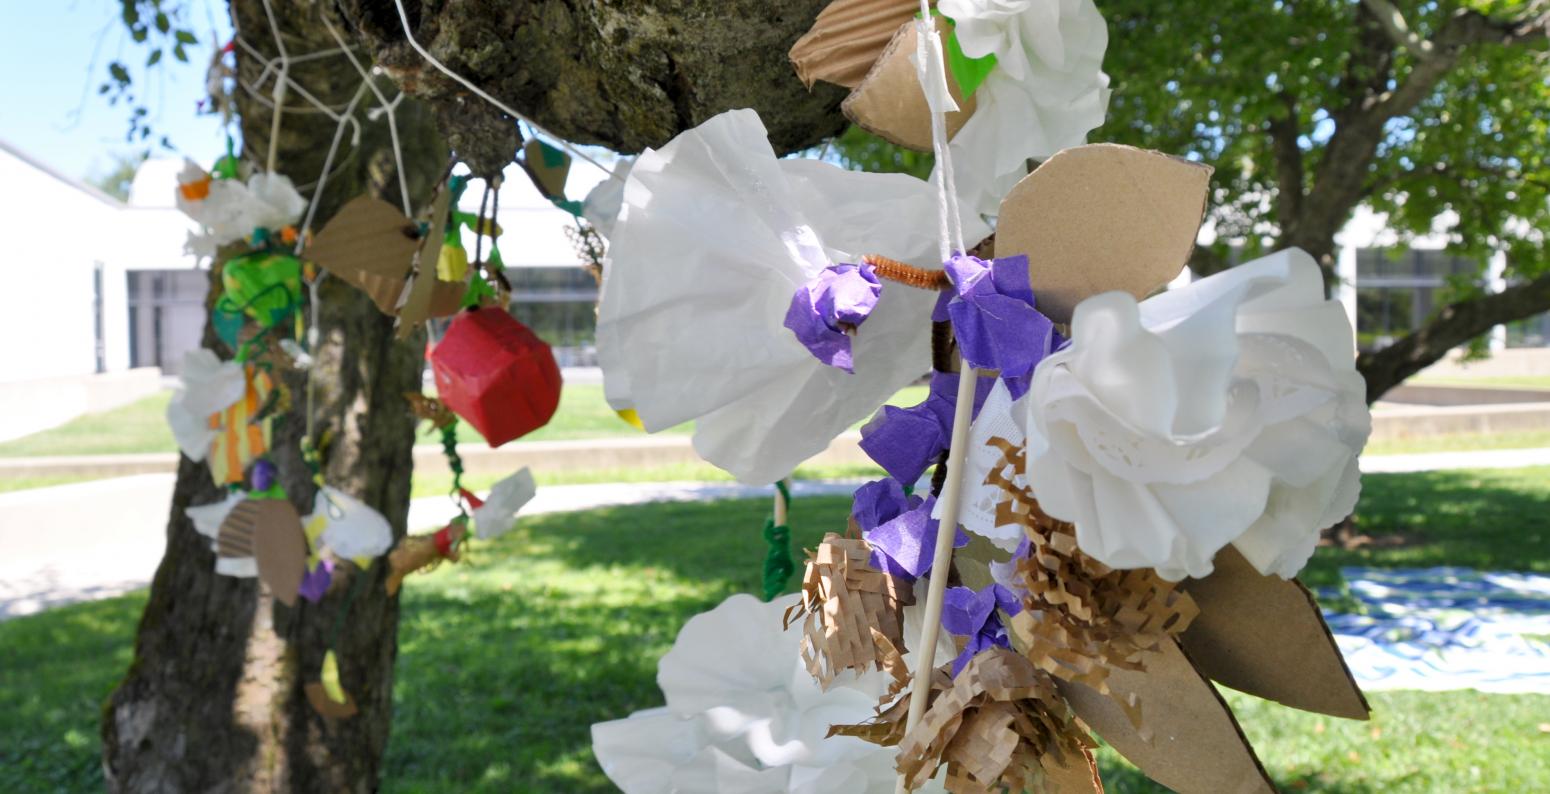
845 604
1001 724
1082 620
890 104
847 38
1103 217
269 530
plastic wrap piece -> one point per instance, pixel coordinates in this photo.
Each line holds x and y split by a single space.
369 245
496 374
844 602
1195 744
1083 621
847 38
890 104
999 725
1103 217
1264 635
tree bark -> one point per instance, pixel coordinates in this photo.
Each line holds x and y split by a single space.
214 699
1455 325
626 75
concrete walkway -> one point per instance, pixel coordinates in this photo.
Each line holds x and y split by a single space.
98 539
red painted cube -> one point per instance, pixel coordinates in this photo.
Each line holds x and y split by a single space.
496 374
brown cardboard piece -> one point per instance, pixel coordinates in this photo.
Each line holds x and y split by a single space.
847 38
1196 743
269 530
1265 635
1103 217
890 104
417 304
370 245
325 705
550 180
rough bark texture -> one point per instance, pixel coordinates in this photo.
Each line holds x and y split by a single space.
627 74
214 699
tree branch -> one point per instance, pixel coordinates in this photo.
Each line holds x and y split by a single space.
1456 324
1393 22
1284 147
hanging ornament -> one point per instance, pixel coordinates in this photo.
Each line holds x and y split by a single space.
496 374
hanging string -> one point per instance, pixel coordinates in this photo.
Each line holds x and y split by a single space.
279 89
778 564
389 108
403 17
929 64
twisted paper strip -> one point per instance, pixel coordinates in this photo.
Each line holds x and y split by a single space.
853 614
1082 619
1000 725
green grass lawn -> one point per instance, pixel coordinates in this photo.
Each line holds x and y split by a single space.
506 659
1500 381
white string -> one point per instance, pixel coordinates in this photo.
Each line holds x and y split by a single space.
388 107
403 17
279 89
328 162
928 65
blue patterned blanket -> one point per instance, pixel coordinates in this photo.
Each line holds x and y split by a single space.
1447 628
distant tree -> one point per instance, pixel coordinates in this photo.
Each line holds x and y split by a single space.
116 180
1310 108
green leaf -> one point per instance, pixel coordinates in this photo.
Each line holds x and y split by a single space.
119 74
185 37
969 72
179 53
163 24
154 58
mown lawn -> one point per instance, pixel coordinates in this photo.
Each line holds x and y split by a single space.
506 660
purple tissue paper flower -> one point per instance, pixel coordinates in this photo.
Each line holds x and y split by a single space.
905 544
994 319
879 502
905 441
317 580
972 614
829 306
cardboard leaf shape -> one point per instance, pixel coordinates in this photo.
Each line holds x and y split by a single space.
1265 635
269 530
847 38
1196 744
416 305
548 167
369 245
325 705
890 104
1103 217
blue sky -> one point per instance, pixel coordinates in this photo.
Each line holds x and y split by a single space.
54 55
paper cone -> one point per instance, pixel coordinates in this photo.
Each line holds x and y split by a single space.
889 103
847 38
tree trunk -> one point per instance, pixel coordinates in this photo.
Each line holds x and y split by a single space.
625 74
214 699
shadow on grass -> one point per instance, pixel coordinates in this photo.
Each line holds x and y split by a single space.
1491 520
506 660
56 670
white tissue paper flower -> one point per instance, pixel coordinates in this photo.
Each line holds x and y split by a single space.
232 210
498 514
207 385
1228 411
1046 92
601 206
715 235
352 528
743 716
